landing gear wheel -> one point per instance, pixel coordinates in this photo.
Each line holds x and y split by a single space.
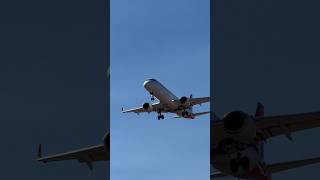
234 166
186 113
160 117
245 163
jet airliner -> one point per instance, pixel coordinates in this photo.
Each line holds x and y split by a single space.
168 102
237 142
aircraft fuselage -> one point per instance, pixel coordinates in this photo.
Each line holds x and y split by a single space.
155 88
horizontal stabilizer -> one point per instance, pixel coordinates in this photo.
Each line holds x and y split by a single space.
195 114
201 113
273 168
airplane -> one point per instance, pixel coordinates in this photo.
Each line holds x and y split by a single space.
88 155
168 102
238 139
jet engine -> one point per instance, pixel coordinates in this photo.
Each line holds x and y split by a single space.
184 100
147 107
240 126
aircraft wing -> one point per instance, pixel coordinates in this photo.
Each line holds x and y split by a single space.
195 101
155 106
286 124
86 155
273 168
217 174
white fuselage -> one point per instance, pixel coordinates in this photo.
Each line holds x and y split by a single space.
156 89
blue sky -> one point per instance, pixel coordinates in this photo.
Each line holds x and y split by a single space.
169 41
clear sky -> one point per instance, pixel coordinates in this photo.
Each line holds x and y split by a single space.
167 40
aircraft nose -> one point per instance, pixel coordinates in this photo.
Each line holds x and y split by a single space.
148 81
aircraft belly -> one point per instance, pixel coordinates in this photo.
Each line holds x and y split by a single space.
161 93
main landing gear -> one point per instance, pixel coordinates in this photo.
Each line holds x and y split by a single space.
236 163
160 116
185 113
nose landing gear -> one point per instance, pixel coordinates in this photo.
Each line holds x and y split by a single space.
152 96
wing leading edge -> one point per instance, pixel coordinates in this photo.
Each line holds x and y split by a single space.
155 107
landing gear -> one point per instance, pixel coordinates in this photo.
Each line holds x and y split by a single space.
243 162
234 166
152 96
185 113
160 116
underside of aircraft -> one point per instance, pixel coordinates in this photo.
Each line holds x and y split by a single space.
168 102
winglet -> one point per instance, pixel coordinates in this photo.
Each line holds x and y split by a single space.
39 155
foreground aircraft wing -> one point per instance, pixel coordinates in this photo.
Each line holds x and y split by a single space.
217 174
273 168
286 124
155 107
86 155
195 101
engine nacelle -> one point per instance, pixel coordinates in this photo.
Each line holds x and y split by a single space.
147 107
184 101
240 126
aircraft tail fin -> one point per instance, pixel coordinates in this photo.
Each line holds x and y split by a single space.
273 168
259 110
